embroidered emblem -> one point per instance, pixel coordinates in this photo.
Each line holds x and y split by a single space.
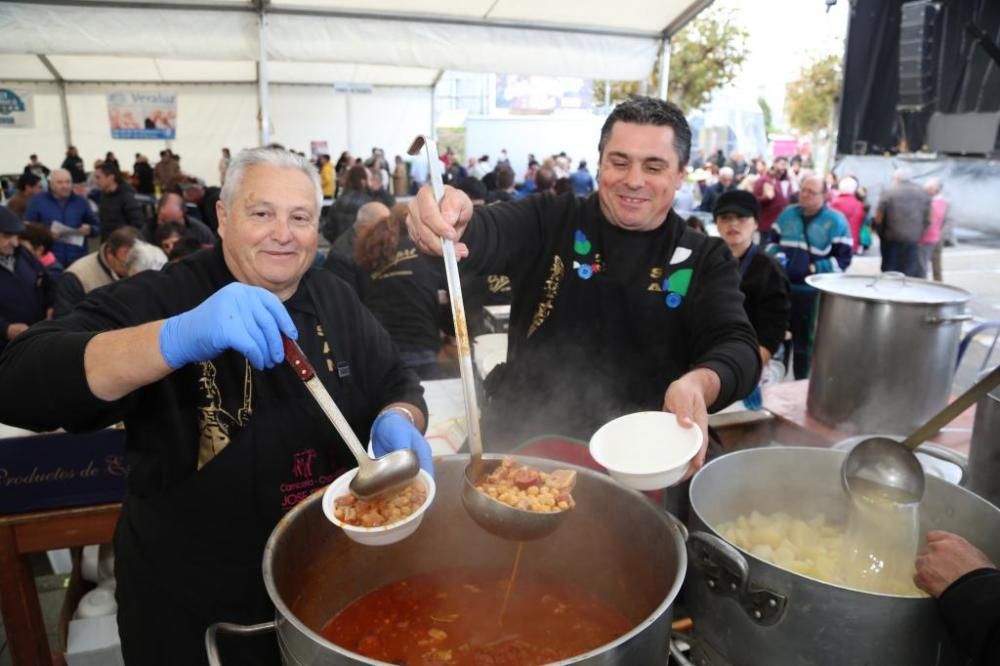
215 422
580 243
680 255
498 284
677 284
549 292
302 464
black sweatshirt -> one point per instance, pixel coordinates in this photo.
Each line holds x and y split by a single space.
604 319
217 451
766 289
970 608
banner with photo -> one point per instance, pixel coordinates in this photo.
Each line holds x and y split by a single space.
137 114
17 108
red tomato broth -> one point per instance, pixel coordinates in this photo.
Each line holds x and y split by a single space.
453 617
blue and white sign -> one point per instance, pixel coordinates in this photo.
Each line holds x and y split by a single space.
136 114
17 108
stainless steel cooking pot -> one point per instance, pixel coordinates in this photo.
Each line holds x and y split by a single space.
984 453
615 544
885 351
747 611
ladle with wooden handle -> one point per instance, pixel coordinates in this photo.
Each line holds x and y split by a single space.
500 519
884 468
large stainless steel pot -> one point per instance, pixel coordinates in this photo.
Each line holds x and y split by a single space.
885 351
616 544
984 454
747 611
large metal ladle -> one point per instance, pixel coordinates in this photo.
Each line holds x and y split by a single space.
495 517
883 468
375 477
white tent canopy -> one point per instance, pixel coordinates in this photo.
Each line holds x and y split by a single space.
70 52
584 38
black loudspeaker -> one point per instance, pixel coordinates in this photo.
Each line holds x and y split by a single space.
919 41
964 133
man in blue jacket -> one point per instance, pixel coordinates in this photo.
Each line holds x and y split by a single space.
813 238
61 204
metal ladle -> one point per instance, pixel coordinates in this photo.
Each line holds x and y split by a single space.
495 517
883 468
375 477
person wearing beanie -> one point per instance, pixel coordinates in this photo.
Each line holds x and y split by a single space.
762 279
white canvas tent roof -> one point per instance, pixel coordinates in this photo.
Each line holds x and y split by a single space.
232 60
378 42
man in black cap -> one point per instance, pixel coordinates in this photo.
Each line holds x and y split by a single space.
762 279
26 292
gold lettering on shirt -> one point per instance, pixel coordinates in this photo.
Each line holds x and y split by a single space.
549 292
214 421
400 257
327 354
498 283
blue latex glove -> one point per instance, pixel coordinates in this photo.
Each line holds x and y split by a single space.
393 431
755 400
238 316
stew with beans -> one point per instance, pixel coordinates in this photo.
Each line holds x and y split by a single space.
453 617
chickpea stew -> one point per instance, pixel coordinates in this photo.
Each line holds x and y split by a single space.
380 511
528 488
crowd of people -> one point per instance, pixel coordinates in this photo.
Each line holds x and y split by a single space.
617 305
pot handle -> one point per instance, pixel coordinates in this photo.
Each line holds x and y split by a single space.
681 527
936 320
228 628
948 456
727 573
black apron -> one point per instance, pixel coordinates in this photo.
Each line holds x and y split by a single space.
192 556
605 347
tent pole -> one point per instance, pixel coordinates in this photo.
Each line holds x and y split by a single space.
61 82
664 67
264 116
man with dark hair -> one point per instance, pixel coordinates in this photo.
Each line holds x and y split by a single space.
144 176
204 200
545 180
118 206
74 165
36 167
616 306
504 185
109 264
28 185
582 181
170 209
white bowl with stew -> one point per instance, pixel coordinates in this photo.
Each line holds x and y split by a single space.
381 535
645 450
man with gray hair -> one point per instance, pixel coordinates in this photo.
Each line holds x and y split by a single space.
902 217
67 214
222 438
726 183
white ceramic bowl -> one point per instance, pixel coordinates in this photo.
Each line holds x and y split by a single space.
645 450
385 534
